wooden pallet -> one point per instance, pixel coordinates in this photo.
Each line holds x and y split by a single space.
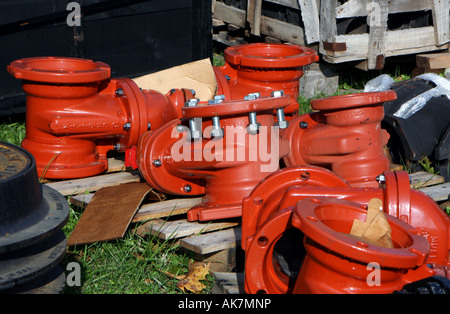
215 242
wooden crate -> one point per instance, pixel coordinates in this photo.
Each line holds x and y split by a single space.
326 26
375 42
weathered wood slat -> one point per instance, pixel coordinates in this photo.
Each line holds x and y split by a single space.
355 8
438 192
441 21
269 26
91 184
166 208
213 242
181 228
422 179
229 283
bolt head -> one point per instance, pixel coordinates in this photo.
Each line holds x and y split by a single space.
187 188
127 126
119 92
196 135
277 93
303 125
217 132
157 163
253 128
252 96
282 124
192 102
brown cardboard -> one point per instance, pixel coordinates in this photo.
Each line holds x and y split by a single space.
197 75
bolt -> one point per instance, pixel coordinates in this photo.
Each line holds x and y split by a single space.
193 125
187 188
252 96
119 92
192 102
216 130
217 100
195 132
277 93
281 121
193 92
253 127
303 125
127 126
157 163
381 178
119 147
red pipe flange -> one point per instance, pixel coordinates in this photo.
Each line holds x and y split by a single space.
344 135
76 113
222 156
338 263
264 68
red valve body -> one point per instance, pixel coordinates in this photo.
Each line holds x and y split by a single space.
264 68
344 135
224 169
76 113
268 211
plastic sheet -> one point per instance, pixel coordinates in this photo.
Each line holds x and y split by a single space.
406 110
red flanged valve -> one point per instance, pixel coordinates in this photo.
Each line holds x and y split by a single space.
221 149
273 200
76 113
335 261
264 68
344 135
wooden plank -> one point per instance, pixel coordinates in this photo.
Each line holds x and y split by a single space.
377 35
115 165
254 16
271 27
310 17
91 184
165 230
166 208
213 242
438 192
433 61
287 3
422 179
328 26
354 8
397 42
228 283
441 21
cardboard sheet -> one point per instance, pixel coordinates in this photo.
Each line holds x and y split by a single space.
197 75
109 213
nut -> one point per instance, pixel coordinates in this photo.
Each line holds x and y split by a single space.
253 128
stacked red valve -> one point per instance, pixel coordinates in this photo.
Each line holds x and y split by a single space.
268 212
343 135
76 113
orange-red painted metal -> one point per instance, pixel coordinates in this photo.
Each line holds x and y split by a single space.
76 113
268 211
264 68
343 135
225 167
